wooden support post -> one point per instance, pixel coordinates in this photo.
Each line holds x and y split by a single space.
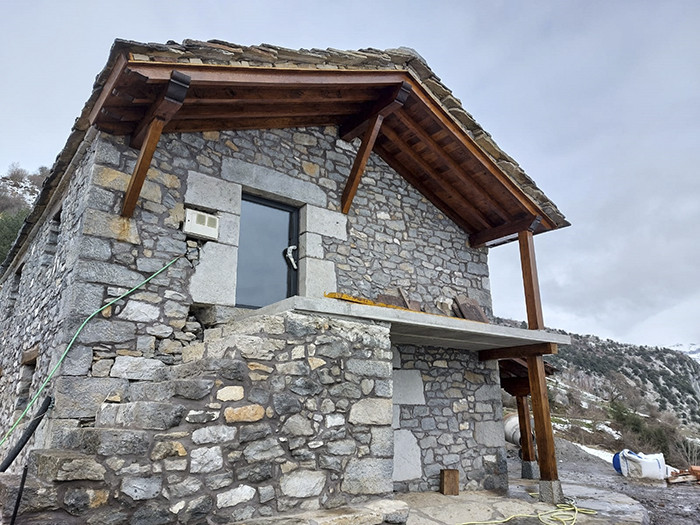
142 164
543 419
526 443
358 166
533 303
535 363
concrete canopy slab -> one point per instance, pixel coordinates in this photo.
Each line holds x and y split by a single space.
419 328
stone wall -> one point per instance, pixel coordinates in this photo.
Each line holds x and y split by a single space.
266 415
447 415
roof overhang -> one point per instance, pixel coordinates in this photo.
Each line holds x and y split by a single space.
416 136
422 329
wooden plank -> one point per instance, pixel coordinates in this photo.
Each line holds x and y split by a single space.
477 240
459 203
449 482
384 107
516 386
169 102
543 420
208 74
106 92
413 180
358 166
142 164
533 303
526 443
439 151
205 95
518 351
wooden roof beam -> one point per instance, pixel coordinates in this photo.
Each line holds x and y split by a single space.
518 351
407 121
164 108
474 214
384 107
358 167
516 386
108 88
477 240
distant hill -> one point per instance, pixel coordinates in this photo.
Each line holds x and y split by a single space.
640 376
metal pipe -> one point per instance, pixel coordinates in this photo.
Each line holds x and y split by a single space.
19 495
28 432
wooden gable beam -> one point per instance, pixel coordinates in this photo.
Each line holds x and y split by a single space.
358 167
518 351
384 107
477 240
147 135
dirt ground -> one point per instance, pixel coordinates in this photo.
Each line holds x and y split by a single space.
667 504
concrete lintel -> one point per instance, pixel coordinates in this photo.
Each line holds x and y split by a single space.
420 328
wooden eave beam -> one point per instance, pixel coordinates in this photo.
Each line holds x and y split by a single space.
439 151
518 351
452 195
477 240
210 74
164 108
176 125
516 386
358 166
384 107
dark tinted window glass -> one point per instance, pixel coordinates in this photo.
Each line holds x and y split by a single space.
263 272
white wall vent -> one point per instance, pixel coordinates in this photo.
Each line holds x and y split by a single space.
202 225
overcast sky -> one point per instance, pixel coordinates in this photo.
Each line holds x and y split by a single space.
599 101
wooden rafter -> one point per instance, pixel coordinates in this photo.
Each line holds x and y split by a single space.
439 151
477 240
450 195
358 167
518 351
383 108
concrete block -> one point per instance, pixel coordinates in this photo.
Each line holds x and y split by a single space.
324 222
551 492
408 387
272 184
212 193
407 456
214 279
530 470
316 277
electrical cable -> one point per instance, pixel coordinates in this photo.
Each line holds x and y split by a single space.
564 514
70 344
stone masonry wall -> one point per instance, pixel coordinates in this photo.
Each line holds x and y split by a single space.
447 415
265 415
35 301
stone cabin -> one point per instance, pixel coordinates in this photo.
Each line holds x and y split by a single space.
229 386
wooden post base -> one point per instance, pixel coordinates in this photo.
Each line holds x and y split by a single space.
449 482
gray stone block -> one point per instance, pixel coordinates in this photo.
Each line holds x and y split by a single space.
303 483
368 476
322 221
77 362
141 488
530 470
272 184
138 368
107 331
407 456
204 460
65 465
212 193
316 277
81 397
146 415
214 279
551 492
229 228
489 433
368 368
371 411
408 387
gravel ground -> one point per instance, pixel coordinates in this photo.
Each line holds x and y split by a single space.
667 504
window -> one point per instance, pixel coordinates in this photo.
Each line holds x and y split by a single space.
267 252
